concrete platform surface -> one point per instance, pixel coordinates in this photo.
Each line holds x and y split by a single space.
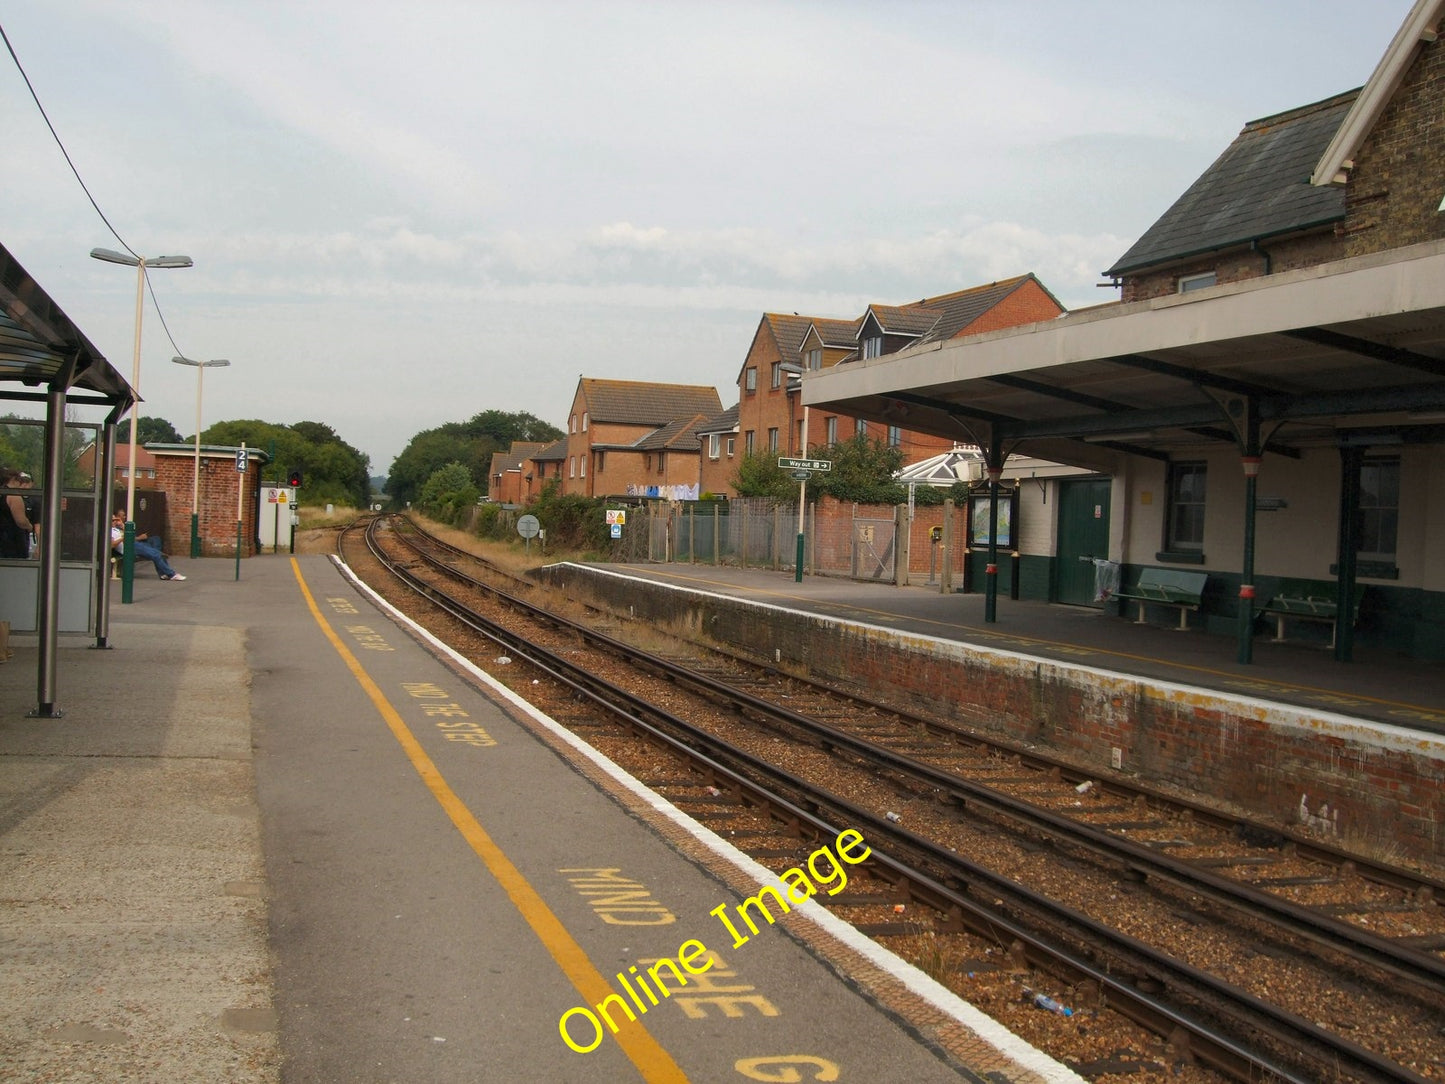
275 837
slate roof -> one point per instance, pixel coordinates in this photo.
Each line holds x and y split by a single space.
552 453
933 319
788 332
957 311
634 402
1257 189
514 457
837 333
726 422
681 433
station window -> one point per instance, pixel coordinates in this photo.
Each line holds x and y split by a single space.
1186 507
1379 508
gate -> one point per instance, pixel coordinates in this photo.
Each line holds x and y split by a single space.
875 550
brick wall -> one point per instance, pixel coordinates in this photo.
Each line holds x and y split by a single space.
1029 304
175 474
1398 181
1264 758
1285 254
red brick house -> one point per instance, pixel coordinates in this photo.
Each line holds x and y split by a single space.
719 452
627 437
511 472
770 416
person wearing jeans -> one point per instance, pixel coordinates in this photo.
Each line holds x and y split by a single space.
144 547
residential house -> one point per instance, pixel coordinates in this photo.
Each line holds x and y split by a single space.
544 466
771 415
626 437
509 473
719 453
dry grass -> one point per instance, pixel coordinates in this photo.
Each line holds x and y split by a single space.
315 517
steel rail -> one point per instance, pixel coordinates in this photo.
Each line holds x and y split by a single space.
1423 970
1224 1052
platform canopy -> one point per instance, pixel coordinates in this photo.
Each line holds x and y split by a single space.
45 358
41 349
1351 352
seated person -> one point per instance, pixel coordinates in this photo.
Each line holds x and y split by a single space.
145 547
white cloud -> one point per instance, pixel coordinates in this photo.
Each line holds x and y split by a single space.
403 214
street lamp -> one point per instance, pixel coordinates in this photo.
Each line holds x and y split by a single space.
109 255
201 367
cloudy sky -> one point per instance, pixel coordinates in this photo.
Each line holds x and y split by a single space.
404 214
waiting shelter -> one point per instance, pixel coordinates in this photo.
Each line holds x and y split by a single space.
64 585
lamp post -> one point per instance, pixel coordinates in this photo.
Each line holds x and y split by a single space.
127 564
200 367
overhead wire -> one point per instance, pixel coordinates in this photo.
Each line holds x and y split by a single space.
35 97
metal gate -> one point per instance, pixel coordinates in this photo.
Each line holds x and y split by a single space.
875 550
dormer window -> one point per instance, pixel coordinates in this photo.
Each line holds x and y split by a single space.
873 347
814 359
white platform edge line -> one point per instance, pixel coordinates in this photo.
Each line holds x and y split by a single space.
1294 715
935 993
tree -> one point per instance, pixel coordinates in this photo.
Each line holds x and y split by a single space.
758 475
332 471
148 431
448 493
470 443
863 471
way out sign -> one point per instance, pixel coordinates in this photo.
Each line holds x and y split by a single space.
804 464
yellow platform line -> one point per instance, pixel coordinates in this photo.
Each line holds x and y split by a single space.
651 1060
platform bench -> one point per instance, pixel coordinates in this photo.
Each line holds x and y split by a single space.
1309 600
1166 587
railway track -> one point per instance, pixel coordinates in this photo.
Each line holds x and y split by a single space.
1125 843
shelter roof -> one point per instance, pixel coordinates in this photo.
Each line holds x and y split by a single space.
40 347
1344 351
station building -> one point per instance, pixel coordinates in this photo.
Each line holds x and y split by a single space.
1266 404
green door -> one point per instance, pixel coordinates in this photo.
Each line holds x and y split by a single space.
1083 536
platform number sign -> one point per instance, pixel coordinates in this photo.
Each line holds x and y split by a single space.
241 457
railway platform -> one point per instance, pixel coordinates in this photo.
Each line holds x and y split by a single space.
1378 686
275 836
